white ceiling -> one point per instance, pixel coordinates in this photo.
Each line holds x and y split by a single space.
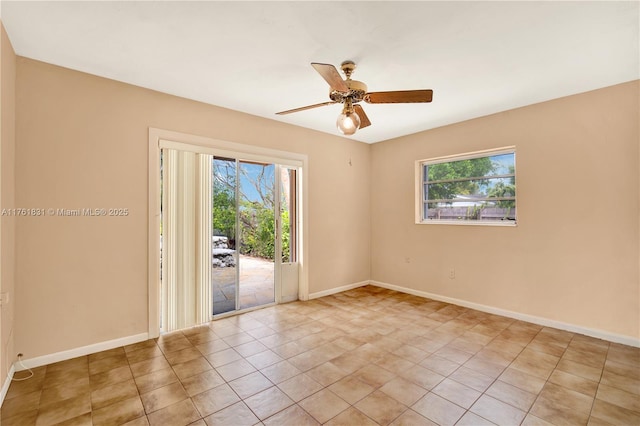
478 57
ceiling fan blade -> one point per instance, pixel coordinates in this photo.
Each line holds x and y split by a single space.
364 120
331 75
289 111
403 96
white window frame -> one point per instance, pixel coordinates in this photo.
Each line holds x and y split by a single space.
419 193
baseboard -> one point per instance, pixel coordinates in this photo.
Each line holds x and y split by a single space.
81 351
289 299
338 289
599 334
7 383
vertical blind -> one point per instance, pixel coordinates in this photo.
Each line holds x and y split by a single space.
186 238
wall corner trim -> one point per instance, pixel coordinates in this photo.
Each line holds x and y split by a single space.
81 351
7 383
599 334
338 289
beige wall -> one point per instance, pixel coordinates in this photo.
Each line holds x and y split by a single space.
579 267
83 142
7 198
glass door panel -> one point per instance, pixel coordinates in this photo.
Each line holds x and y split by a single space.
288 214
224 272
244 234
289 271
257 232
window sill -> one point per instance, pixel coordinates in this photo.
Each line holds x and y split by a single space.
502 223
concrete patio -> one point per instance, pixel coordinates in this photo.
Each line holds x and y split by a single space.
256 285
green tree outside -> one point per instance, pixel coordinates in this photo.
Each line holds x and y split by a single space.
456 170
256 218
224 213
502 189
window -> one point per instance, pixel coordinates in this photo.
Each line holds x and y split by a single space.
473 188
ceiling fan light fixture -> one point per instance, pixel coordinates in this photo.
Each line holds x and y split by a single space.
349 121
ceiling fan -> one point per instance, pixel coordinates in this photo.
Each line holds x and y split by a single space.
350 92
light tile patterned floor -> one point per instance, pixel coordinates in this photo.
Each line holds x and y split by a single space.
364 357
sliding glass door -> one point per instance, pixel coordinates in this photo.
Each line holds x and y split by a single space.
224 250
258 233
228 234
230 219
245 234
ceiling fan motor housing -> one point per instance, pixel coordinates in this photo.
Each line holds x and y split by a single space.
357 90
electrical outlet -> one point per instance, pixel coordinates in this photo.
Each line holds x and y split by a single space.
4 298
407 260
452 274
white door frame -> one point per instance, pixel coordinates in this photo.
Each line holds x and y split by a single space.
187 142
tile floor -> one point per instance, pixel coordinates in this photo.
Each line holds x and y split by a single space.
364 357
